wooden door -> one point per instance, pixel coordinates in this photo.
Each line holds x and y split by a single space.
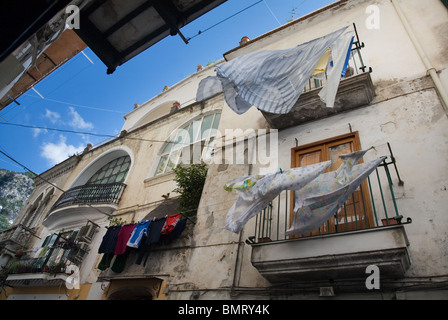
356 213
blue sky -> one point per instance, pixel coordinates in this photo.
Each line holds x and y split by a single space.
81 97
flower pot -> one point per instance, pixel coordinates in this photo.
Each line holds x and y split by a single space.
264 239
391 221
19 254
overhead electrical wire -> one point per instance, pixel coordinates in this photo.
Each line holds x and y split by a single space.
272 13
78 132
219 22
45 180
214 205
54 129
74 104
105 213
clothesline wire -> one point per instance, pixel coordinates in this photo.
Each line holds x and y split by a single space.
124 223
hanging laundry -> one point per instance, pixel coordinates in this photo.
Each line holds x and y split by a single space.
120 262
123 237
175 233
170 223
255 198
105 261
320 199
273 80
208 87
178 229
242 183
343 173
137 234
347 58
109 240
340 51
322 64
154 229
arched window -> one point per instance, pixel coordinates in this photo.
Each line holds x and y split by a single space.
191 143
114 171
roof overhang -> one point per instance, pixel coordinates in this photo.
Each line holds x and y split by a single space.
119 30
115 30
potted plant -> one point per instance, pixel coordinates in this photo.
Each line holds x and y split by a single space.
19 253
391 221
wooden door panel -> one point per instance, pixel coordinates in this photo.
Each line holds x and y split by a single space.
356 213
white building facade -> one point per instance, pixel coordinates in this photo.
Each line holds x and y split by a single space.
387 241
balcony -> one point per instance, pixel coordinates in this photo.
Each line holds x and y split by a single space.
91 201
50 269
366 230
91 194
15 237
355 90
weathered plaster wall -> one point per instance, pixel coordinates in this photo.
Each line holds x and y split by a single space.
212 262
406 112
183 92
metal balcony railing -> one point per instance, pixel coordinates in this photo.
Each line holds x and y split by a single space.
372 205
91 194
55 258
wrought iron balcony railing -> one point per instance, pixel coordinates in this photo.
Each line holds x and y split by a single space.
91 194
372 205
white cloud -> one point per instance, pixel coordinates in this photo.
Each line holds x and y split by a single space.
38 131
77 122
58 152
53 116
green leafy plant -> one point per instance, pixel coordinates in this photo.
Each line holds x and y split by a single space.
190 183
117 221
55 268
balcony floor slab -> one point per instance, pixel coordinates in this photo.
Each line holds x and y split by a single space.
334 257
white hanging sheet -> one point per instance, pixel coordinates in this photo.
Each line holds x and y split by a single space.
273 80
256 192
319 200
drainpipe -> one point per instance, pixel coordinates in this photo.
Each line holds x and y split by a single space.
421 52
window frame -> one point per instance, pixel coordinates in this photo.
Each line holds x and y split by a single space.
175 152
98 181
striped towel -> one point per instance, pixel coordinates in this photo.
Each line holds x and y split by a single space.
271 80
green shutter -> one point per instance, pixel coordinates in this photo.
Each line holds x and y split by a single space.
445 2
